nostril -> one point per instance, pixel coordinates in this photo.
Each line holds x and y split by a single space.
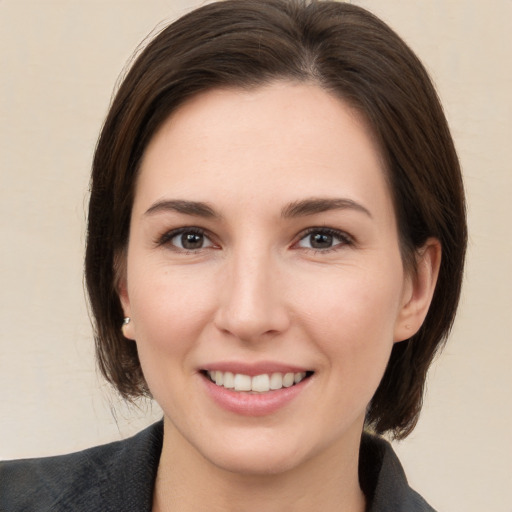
251 312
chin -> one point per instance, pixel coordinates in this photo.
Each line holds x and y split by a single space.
254 456
256 463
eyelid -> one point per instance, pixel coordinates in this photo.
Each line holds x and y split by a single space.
345 238
167 236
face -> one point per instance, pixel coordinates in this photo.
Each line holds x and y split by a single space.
264 278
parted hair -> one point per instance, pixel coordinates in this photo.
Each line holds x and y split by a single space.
249 43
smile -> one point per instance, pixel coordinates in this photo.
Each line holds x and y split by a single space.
258 383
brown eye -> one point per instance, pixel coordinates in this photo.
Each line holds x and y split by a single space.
320 240
187 240
191 241
323 239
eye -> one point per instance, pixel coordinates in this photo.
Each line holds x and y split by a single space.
187 239
322 239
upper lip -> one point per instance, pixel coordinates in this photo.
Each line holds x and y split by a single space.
253 369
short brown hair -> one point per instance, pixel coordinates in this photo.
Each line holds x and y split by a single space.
248 43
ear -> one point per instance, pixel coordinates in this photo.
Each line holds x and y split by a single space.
121 286
418 290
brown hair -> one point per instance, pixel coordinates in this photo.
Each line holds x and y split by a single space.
247 43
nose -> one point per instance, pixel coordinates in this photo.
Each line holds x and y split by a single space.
252 303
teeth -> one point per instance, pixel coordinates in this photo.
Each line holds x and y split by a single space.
276 381
288 380
259 383
242 382
229 380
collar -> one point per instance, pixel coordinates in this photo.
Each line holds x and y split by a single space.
121 476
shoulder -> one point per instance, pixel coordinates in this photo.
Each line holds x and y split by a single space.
383 479
116 476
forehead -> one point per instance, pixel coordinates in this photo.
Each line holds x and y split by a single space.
298 138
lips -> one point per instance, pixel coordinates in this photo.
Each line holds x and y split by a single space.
254 390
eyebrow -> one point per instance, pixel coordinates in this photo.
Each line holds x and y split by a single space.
300 208
318 205
196 208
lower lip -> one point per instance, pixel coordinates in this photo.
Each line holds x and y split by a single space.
253 404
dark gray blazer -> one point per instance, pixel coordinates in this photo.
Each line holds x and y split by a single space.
120 476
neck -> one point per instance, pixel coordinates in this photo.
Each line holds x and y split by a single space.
187 482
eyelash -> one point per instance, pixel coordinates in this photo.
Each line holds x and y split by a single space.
167 237
345 239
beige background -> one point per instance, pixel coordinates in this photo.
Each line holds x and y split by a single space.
59 61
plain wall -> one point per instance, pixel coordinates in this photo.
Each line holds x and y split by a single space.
59 61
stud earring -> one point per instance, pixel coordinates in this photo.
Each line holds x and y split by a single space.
126 321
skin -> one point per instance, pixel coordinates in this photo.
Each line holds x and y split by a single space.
257 287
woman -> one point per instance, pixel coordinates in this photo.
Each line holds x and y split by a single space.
276 238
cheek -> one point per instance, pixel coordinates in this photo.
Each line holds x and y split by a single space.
350 300
169 308
351 316
170 312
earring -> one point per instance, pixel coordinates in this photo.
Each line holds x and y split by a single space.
126 321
